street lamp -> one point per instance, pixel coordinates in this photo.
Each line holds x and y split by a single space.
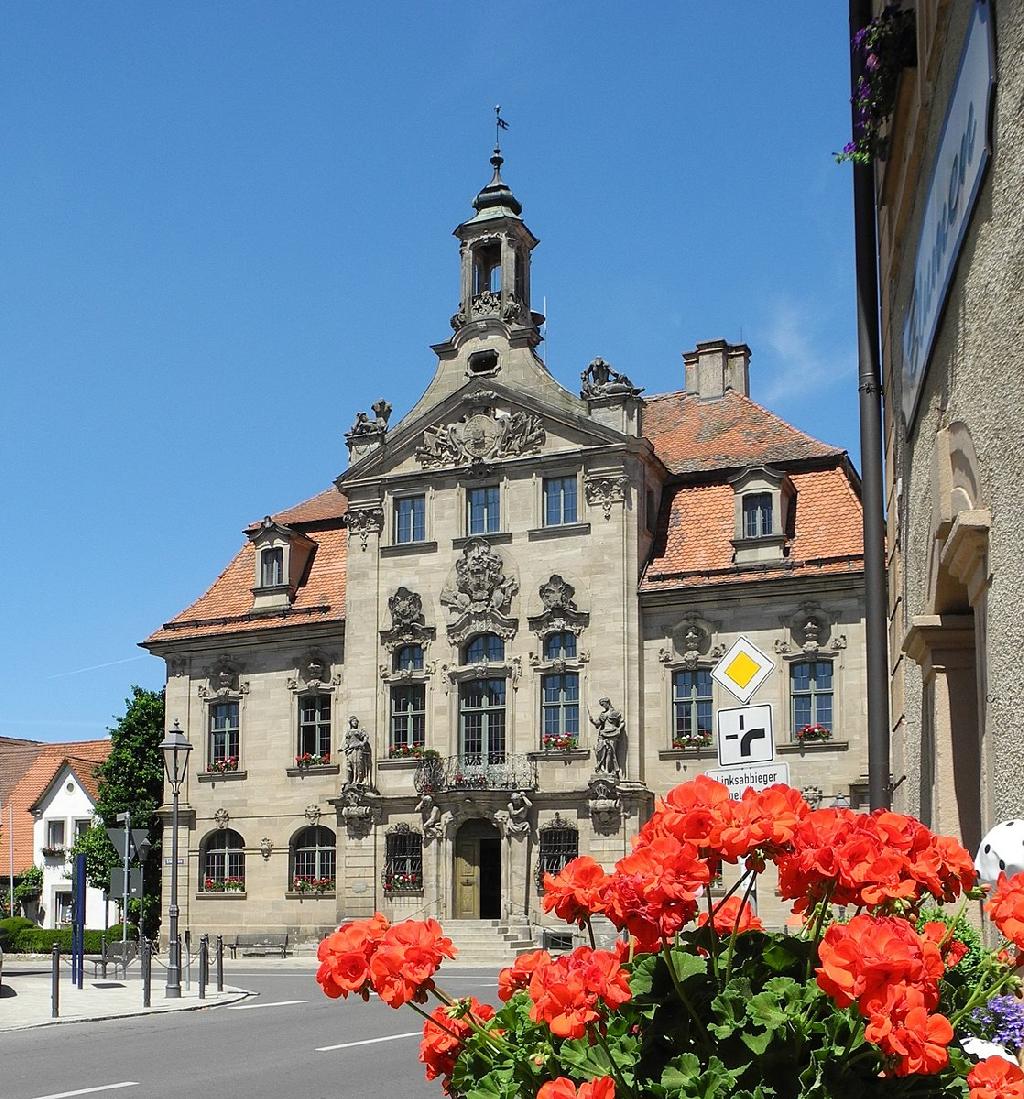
175 747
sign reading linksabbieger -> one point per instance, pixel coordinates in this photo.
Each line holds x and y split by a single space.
963 153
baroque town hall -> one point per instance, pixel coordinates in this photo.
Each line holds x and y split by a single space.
487 647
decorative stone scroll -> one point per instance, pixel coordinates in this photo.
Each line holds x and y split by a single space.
481 436
600 380
603 803
810 632
314 674
560 611
604 490
363 522
224 681
407 623
481 594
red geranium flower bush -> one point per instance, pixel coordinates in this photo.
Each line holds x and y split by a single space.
688 993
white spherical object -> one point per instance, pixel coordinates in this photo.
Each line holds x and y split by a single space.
980 1050
1001 851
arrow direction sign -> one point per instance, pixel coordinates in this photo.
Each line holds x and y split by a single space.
745 736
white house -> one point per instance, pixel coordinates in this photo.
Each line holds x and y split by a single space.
62 811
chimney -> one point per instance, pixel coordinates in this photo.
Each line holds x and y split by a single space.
716 366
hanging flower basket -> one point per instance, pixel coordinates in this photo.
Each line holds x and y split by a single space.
882 50
873 994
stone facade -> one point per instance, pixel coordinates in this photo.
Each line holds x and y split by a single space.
494 653
955 505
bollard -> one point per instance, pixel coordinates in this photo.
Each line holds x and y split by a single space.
55 984
103 955
220 963
204 964
188 960
147 972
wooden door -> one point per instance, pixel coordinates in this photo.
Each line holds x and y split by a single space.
467 876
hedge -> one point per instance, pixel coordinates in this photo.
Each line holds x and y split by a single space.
10 928
40 940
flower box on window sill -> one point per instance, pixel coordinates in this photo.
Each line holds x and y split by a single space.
407 764
322 769
221 776
222 766
707 752
403 883
555 742
813 746
309 759
693 743
312 887
565 755
402 752
225 885
813 734
54 852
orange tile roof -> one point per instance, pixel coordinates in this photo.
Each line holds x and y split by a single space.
693 547
16 756
51 757
689 434
226 607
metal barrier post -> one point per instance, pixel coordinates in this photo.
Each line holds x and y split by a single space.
103 955
188 959
204 964
55 983
220 963
147 972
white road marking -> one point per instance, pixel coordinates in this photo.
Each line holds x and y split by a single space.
92 1091
275 1003
370 1041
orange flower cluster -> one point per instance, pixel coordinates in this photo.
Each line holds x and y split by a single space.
398 963
892 974
996 1078
566 990
869 860
1007 908
732 914
444 1035
564 1088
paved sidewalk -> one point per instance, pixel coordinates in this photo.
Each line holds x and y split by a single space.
25 996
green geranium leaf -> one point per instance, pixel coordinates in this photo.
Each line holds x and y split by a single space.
642 979
681 1072
687 965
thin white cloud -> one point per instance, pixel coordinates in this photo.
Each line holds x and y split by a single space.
799 355
96 667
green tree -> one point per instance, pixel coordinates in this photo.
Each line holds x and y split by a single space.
131 780
100 855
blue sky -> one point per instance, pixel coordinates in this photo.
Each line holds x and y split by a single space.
226 227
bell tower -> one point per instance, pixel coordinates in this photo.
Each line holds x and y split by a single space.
494 284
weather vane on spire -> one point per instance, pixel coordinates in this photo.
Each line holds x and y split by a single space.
499 125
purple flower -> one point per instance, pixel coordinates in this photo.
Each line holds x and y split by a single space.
871 62
1004 1017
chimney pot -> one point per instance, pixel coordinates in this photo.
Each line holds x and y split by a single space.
715 366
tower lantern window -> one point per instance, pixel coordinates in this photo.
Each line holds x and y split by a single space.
487 268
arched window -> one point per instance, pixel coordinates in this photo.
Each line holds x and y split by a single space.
408 658
223 862
314 857
559 845
403 866
560 646
485 646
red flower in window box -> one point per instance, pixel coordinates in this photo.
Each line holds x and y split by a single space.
813 733
561 742
311 759
700 739
222 766
405 751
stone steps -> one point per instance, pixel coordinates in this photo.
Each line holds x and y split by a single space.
487 943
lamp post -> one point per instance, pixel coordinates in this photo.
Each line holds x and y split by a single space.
175 747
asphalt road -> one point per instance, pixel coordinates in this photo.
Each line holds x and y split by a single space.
263 1047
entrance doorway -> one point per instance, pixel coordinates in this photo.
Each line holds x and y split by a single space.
477 871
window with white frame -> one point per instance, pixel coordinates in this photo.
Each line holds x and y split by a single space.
224 741
82 825
757 515
223 862
560 505
410 519
483 510
691 708
408 720
55 835
408 658
315 727
811 693
314 860
560 711
271 567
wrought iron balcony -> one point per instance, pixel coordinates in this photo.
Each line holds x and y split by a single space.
476 772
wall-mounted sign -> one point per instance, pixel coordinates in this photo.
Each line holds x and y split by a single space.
755 777
959 166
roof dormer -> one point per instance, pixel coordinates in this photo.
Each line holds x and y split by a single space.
765 499
281 556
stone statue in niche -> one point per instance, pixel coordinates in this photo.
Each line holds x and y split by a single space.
514 820
611 732
600 380
357 754
480 581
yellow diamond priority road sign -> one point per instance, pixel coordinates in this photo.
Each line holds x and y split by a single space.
743 669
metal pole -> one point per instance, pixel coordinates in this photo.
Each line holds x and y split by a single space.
204 959
220 963
10 842
124 911
873 500
147 972
173 989
55 983
187 964
103 954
